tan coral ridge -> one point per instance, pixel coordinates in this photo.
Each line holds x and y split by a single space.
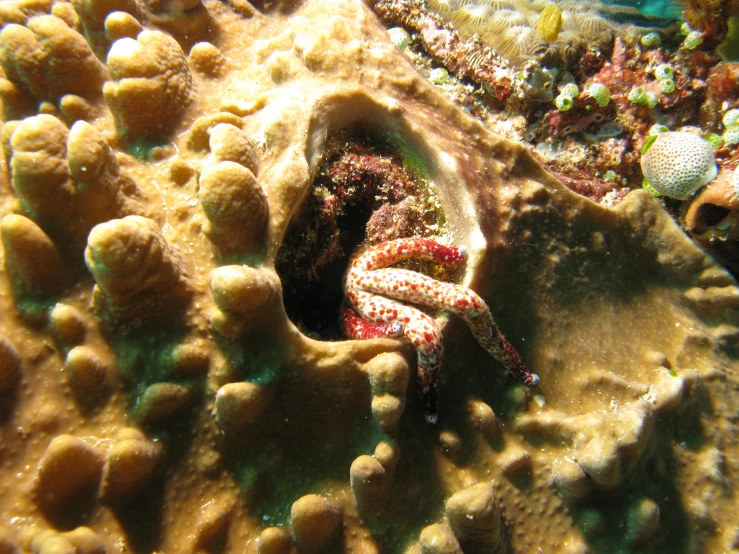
254 436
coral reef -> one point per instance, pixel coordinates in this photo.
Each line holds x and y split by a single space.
182 179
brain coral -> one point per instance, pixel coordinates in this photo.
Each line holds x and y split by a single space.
183 187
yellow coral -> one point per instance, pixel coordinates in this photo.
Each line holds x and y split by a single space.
549 23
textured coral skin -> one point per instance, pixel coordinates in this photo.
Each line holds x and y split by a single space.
174 423
368 283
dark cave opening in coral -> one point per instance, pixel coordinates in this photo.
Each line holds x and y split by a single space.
365 191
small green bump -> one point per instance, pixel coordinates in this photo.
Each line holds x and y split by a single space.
399 37
693 40
663 71
651 40
685 28
563 102
731 137
667 86
600 93
731 118
570 89
646 186
652 99
656 129
714 140
610 175
439 76
648 143
638 96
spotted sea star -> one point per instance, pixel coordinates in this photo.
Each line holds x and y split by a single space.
372 289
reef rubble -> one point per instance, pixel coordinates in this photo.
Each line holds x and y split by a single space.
175 178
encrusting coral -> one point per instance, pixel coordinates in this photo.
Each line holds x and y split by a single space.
167 196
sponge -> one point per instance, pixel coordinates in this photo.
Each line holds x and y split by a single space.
677 164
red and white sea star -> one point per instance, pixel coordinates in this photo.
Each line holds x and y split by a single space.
372 287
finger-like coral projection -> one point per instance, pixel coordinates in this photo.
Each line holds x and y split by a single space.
371 287
82 469
93 16
10 366
49 60
32 260
68 180
439 539
151 85
133 265
81 540
232 199
315 523
474 516
243 294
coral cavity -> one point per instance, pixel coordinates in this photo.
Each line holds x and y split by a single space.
365 191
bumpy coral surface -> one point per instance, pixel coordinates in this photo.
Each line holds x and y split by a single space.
169 171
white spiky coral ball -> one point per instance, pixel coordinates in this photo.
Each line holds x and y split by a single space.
678 163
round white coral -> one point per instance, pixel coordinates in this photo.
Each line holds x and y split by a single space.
678 163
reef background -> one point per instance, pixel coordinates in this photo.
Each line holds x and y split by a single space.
162 195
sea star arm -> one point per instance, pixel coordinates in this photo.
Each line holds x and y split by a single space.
371 288
417 248
423 333
417 288
356 327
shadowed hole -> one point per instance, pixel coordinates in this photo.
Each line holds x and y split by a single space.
366 190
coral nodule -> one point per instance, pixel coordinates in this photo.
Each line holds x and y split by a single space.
195 196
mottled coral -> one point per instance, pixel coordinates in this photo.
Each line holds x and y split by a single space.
247 432
677 164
